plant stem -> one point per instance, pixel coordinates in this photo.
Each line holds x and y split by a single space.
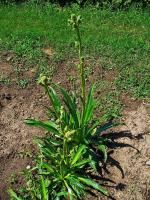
81 66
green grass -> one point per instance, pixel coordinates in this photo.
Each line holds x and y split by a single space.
120 40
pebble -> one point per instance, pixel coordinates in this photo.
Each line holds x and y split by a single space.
148 163
9 58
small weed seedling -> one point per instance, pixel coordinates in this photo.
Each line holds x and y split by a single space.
22 83
5 81
73 142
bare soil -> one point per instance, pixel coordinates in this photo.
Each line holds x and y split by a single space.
130 162
128 168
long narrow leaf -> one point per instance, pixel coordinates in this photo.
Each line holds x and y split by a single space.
89 107
62 193
47 166
54 99
103 149
77 186
82 163
48 125
44 190
92 130
94 185
106 127
71 105
46 147
14 195
78 154
70 192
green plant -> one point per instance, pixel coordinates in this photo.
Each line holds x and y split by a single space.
22 83
73 144
5 81
76 115
75 22
59 173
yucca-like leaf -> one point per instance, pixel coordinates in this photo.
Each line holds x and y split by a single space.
47 166
103 149
89 107
93 163
70 194
53 141
54 99
13 195
70 191
49 153
61 194
82 163
105 127
71 105
91 131
93 184
81 150
77 186
46 148
43 143
48 125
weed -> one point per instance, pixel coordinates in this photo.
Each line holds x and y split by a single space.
5 81
72 143
22 83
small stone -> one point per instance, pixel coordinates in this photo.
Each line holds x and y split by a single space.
148 163
9 58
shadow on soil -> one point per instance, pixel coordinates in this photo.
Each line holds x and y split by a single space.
111 162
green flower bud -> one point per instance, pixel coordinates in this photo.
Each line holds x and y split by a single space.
42 80
74 21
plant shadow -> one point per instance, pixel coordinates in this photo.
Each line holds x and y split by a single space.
112 145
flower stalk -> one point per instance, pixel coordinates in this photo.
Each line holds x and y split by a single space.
75 21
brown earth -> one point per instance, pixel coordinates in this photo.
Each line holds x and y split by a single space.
129 158
132 153
15 136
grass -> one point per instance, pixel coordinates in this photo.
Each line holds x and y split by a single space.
119 41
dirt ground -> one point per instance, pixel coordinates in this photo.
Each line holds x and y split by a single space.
129 158
131 169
